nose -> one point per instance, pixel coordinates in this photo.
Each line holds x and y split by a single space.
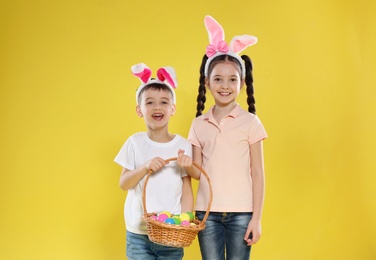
157 107
225 84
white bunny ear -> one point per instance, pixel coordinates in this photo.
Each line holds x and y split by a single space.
167 74
142 72
215 30
239 43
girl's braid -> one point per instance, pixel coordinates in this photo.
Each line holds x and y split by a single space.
201 97
249 82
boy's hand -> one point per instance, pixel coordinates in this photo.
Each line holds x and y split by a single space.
155 164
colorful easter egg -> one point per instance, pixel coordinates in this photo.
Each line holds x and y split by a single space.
165 212
177 220
185 223
185 216
162 217
169 221
191 215
153 217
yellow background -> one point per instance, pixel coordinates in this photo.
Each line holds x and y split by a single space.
67 105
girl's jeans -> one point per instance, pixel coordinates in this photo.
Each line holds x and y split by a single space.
140 247
224 235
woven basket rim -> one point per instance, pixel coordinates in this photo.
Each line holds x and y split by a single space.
198 227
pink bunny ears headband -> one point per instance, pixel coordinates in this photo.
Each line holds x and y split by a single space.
165 75
217 45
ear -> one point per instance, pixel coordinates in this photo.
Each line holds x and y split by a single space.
138 111
173 109
242 83
207 82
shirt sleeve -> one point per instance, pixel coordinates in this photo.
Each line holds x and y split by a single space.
257 131
192 137
126 156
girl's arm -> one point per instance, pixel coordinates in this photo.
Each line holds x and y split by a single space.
258 179
187 195
197 158
129 179
186 162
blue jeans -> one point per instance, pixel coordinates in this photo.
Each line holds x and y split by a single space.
223 237
140 247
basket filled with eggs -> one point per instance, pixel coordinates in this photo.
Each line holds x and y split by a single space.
175 230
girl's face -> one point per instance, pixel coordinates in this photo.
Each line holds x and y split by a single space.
156 107
224 83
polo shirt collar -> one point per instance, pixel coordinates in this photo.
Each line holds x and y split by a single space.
234 112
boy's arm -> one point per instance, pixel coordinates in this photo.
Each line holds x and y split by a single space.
129 179
187 195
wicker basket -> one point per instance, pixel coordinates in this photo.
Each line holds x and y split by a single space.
170 234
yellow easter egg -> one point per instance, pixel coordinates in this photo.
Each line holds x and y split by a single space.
185 216
165 212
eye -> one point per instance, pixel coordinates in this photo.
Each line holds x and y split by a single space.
234 79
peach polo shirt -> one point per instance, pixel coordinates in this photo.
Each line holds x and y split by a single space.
226 158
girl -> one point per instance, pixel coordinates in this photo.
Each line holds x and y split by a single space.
227 142
169 188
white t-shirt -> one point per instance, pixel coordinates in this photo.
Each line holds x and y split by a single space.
164 188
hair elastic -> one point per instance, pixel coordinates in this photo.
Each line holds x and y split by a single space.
165 75
217 45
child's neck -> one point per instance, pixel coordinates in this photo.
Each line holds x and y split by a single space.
160 136
220 112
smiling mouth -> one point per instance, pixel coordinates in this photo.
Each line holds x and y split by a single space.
224 93
157 116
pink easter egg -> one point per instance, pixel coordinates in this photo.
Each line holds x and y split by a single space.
162 217
153 217
185 223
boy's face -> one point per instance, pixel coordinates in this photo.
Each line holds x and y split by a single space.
156 107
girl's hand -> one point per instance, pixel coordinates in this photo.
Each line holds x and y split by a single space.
253 234
183 160
155 164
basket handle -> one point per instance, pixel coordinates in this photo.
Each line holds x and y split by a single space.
198 167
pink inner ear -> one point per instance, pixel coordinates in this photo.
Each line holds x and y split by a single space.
142 72
215 30
163 74
144 75
239 43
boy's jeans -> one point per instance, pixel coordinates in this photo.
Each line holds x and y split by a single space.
140 247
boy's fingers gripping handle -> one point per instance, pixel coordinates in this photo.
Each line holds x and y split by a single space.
198 167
